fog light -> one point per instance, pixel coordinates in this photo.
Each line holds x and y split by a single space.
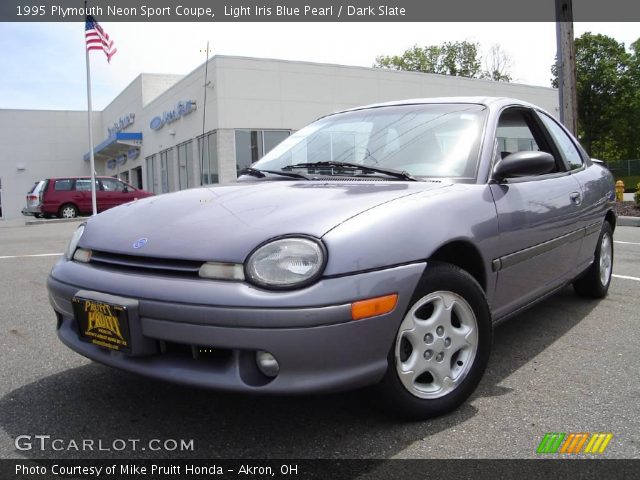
267 363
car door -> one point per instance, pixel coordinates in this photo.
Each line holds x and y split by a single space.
114 193
539 236
594 198
82 194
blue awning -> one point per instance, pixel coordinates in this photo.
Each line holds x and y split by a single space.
115 145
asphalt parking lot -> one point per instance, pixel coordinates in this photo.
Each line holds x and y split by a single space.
567 365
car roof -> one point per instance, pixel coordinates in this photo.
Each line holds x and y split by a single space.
86 177
493 102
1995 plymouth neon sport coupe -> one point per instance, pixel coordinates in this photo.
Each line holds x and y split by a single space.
376 247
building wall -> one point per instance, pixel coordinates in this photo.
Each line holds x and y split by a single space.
37 144
262 93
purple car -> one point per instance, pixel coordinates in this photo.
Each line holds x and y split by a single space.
376 247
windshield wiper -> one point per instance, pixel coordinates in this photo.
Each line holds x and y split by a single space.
255 172
353 166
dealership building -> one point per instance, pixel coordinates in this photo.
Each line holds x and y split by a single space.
170 132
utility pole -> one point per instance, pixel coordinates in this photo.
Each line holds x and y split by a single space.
566 61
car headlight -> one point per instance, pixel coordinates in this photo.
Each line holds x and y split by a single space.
286 263
73 243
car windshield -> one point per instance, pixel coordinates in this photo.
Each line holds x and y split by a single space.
423 140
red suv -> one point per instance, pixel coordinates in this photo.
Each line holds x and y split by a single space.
70 196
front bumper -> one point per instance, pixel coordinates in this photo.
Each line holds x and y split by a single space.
310 331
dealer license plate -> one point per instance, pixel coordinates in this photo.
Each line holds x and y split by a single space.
103 324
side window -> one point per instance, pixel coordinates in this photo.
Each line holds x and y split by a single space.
514 134
518 131
63 185
111 185
564 143
84 185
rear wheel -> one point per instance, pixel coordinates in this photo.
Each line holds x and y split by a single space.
441 348
595 281
68 210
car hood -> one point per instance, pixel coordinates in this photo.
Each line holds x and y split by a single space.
226 222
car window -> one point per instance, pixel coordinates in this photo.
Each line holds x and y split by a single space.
84 185
112 185
37 187
517 132
63 185
514 134
564 143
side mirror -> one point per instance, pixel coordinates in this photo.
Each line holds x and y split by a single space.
523 164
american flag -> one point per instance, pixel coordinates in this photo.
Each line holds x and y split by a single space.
98 39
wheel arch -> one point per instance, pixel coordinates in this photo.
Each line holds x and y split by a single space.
611 218
465 255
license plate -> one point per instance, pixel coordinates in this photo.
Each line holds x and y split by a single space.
103 324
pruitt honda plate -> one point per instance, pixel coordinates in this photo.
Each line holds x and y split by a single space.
376 247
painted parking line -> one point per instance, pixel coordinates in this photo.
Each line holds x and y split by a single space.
626 243
27 256
626 277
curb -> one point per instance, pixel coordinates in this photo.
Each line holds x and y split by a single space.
58 220
628 221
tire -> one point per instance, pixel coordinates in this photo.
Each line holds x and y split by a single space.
437 360
37 215
68 210
595 281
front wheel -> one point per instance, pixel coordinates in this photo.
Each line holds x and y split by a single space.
442 345
595 281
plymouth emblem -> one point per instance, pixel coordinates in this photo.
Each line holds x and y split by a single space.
141 242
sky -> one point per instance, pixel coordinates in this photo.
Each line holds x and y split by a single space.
43 64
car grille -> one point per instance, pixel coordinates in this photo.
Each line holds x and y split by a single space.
149 264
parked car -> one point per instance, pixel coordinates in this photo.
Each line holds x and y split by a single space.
376 247
34 200
68 197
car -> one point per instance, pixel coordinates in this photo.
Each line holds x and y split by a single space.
68 197
34 200
377 247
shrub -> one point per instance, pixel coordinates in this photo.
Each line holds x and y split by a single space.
636 196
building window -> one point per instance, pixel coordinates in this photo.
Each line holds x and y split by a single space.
251 145
271 138
208 150
151 174
166 170
185 165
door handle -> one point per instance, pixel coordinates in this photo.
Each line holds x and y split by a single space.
576 198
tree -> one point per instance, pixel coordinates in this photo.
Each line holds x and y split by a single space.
498 64
608 91
459 59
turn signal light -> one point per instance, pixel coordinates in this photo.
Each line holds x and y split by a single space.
373 307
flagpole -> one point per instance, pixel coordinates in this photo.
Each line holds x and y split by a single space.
204 113
89 113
